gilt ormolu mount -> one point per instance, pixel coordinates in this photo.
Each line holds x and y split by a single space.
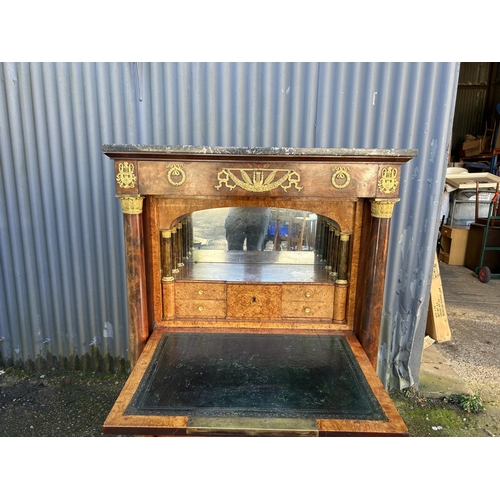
255 342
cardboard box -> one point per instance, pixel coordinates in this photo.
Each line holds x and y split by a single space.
472 148
481 145
437 327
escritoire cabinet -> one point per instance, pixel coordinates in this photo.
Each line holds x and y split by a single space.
259 342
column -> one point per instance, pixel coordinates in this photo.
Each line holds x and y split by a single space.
191 235
185 239
179 249
341 281
166 256
175 256
136 275
329 247
335 260
167 277
369 335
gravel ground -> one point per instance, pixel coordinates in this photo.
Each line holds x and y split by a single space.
55 404
475 358
474 349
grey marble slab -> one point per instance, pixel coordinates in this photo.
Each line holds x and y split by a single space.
256 151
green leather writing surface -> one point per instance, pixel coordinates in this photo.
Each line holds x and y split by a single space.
255 375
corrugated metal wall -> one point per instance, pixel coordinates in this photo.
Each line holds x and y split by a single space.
494 95
62 293
472 96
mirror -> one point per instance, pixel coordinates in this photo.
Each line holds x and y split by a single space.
254 229
260 240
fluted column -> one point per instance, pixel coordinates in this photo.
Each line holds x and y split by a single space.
135 274
369 335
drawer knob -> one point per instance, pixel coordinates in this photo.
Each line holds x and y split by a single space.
308 294
200 292
200 308
307 310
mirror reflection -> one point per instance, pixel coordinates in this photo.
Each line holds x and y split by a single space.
254 229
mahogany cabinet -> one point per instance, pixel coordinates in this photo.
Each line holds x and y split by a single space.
277 341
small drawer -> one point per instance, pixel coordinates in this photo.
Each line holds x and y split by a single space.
309 293
200 290
254 301
317 310
446 231
200 308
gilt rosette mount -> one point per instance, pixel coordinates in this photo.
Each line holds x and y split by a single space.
258 180
341 177
176 174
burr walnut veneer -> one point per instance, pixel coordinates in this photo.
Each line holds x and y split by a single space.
257 342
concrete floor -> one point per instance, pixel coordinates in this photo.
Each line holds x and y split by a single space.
470 361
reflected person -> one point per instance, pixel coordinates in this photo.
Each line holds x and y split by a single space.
250 223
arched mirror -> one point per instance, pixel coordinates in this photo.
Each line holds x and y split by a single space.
253 229
267 244
262 235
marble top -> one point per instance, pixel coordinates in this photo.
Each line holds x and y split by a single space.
257 151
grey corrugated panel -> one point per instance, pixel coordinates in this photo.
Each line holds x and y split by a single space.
400 106
414 104
414 227
54 175
55 117
231 104
16 230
